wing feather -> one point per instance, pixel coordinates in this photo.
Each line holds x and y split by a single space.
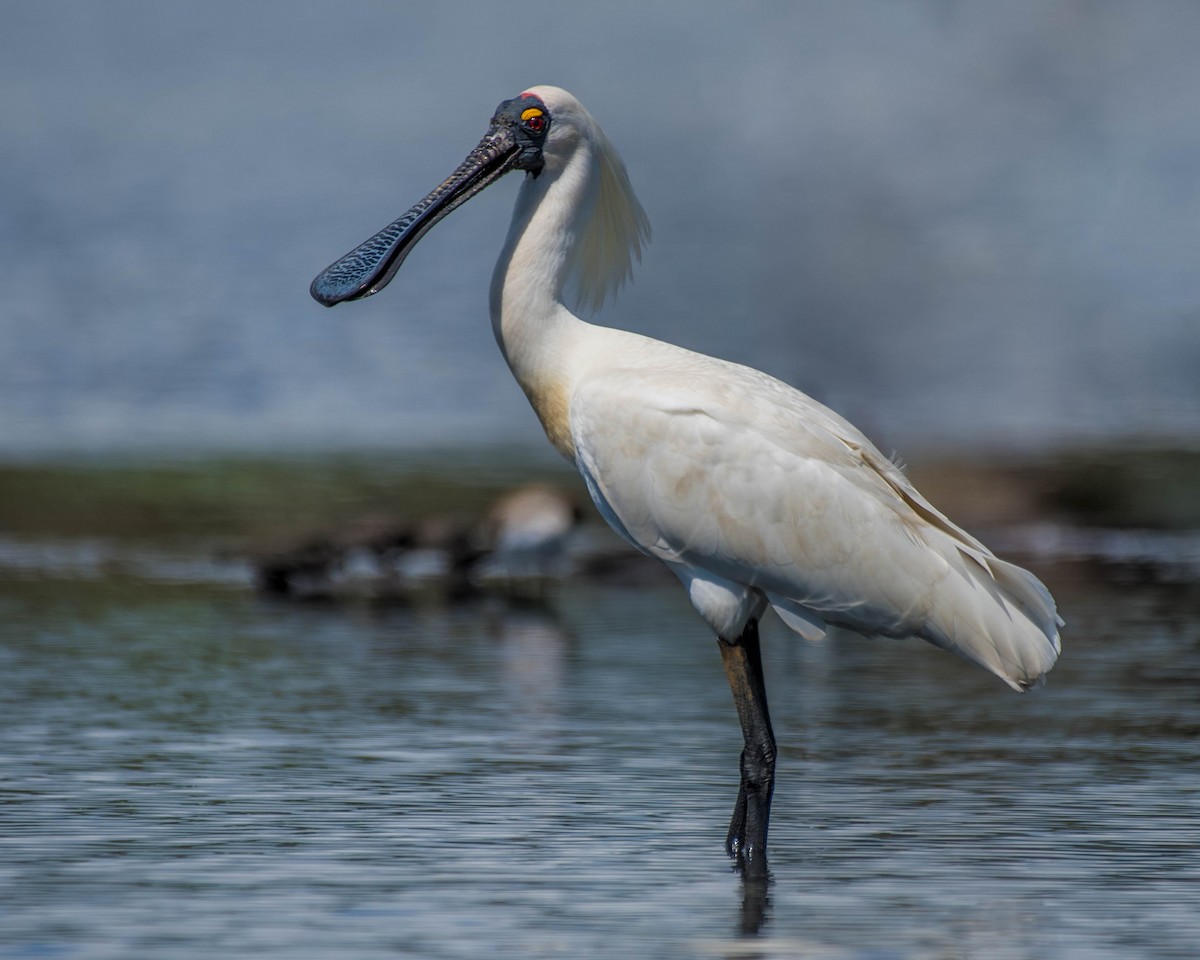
717 467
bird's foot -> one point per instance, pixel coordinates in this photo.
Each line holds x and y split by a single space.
749 860
746 841
749 856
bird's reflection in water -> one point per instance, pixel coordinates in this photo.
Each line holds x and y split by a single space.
532 644
756 904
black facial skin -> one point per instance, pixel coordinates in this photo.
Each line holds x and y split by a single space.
529 133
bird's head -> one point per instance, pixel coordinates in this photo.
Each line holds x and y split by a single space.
515 140
541 129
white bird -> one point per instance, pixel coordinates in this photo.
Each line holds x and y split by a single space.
529 530
752 493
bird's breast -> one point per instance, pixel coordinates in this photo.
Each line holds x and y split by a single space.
551 402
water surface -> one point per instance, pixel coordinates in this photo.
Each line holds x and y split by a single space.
189 770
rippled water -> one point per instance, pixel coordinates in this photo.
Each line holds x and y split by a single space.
190 771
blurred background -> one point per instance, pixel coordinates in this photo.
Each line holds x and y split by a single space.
972 228
960 224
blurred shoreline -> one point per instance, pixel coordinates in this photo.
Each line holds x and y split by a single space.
232 498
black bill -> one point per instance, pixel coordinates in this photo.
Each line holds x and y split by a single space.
369 267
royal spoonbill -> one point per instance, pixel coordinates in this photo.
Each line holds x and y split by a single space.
752 493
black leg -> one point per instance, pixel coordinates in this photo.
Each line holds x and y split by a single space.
747 839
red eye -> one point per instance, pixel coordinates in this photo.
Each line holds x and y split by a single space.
536 124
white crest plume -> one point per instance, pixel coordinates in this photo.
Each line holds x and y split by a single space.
616 228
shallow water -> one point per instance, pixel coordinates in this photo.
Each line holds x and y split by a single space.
189 770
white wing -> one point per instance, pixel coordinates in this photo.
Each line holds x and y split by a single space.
719 468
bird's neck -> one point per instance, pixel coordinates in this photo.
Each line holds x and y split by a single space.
538 335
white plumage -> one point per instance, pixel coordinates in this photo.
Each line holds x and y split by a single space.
750 491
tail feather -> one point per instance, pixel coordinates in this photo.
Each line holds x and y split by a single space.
1000 616
996 614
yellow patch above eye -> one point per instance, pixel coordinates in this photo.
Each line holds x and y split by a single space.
530 113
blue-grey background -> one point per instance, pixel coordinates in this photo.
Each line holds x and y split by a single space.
962 224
